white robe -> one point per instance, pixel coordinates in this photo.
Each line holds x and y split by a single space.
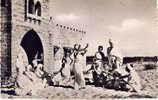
78 70
23 82
135 81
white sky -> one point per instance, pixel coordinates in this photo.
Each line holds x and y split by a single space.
129 22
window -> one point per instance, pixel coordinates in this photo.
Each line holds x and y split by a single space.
38 9
31 7
3 3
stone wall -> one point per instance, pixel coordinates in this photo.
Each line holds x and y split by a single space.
16 22
5 37
24 22
67 36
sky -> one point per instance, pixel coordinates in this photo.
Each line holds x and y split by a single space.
132 23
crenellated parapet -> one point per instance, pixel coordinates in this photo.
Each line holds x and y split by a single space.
70 28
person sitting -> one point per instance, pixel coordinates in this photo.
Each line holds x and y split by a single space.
96 75
23 83
43 75
134 79
39 70
64 72
99 56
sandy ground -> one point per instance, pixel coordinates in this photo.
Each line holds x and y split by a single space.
148 80
90 92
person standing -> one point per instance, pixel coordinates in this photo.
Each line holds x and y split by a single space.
66 66
78 66
115 59
58 56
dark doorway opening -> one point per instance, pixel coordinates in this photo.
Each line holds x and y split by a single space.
33 47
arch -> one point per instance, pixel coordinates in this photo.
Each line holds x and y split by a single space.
33 47
31 6
38 8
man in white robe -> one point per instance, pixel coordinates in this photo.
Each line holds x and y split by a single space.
114 55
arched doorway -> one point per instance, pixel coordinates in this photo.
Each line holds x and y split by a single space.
32 45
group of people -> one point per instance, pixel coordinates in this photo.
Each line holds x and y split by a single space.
70 64
30 78
113 72
115 60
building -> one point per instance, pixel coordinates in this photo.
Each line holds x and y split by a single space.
27 28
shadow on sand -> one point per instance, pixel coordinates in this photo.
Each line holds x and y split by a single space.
64 86
9 92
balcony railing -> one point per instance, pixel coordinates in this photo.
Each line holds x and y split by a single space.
33 18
